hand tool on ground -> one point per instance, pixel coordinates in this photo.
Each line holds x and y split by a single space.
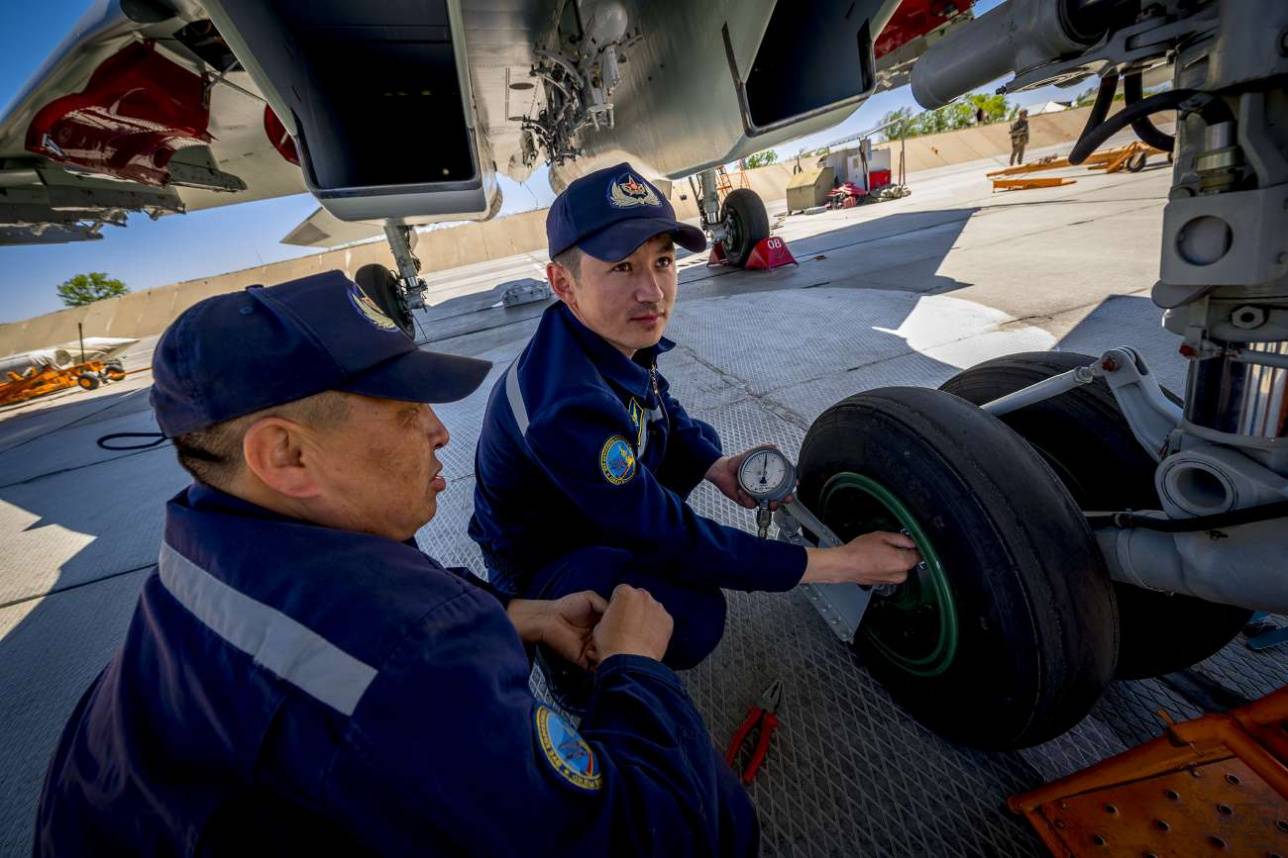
762 715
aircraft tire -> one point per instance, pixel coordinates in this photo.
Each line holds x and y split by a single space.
746 222
1006 635
379 284
1083 436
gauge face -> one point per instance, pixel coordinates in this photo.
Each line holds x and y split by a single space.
766 474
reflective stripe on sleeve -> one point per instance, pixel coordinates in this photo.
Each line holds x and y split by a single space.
289 649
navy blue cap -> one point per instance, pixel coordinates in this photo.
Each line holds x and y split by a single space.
611 212
241 352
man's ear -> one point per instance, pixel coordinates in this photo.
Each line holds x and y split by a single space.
273 451
561 283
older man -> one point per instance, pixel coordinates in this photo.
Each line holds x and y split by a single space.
298 678
585 459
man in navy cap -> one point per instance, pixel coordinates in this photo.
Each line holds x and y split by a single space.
585 458
298 678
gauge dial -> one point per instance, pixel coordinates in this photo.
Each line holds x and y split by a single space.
766 474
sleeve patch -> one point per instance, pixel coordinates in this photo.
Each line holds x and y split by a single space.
566 751
617 460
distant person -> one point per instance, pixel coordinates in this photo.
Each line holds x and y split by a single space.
979 116
299 679
1019 137
585 459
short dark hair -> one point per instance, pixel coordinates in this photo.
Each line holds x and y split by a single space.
214 455
570 259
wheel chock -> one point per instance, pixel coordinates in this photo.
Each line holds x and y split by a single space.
717 256
1217 783
770 253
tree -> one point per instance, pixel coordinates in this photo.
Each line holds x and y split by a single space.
761 159
960 114
88 288
898 124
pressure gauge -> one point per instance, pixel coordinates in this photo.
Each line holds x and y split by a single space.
767 475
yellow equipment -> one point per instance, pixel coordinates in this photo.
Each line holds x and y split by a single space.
35 382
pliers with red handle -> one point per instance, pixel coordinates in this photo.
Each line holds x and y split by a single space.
763 714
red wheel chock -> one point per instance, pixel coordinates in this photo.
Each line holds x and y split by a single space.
717 256
770 253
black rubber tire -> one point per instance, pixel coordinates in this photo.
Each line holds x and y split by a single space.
380 285
1137 162
745 217
1084 437
1036 617
88 381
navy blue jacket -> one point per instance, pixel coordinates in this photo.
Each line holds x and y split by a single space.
584 446
286 688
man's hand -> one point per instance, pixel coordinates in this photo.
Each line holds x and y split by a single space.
566 625
871 559
723 474
634 624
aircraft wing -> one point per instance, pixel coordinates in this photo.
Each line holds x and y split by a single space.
404 112
141 109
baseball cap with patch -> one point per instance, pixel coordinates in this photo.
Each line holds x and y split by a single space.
611 212
238 353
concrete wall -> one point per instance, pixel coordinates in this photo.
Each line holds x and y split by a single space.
141 314
987 141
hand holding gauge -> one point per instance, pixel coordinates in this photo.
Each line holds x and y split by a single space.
768 477
876 559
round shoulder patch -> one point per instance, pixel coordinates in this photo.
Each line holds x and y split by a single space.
566 751
617 460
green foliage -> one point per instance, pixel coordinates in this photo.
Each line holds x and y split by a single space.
761 159
960 114
88 288
1088 96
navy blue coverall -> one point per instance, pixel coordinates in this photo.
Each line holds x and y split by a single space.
290 689
583 466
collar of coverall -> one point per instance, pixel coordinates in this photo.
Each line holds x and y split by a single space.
206 498
628 373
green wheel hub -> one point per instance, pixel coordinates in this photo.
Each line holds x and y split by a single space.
916 627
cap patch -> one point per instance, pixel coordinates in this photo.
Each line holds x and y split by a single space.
617 460
566 751
628 190
370 310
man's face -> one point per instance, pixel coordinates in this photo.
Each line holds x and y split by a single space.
628 303
378 469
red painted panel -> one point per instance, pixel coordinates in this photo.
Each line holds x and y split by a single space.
137 109
915 18
282 141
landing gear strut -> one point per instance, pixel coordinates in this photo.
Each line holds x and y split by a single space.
398 297
739 224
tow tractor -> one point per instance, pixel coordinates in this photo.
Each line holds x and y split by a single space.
1078 521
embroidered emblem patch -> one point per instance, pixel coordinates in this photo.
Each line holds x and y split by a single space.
370 310
566 751
629 190
639 418
617 460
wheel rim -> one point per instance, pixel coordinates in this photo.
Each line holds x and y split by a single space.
733 232
916 627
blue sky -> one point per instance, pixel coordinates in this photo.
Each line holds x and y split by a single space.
154 253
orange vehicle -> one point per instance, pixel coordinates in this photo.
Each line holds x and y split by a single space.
36 382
